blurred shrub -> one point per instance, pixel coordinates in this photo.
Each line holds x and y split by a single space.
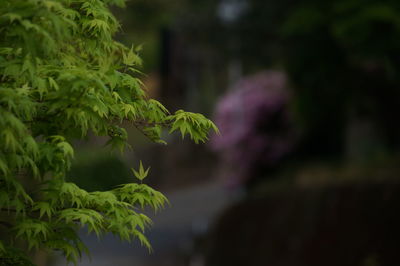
13 257
256 129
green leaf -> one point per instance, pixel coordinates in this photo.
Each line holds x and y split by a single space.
141 174
43 208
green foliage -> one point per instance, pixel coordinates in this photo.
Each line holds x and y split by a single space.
195 125
62 76
13 257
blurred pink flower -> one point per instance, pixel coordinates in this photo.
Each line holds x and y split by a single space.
254 123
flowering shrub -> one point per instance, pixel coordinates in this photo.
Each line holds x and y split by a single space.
254 124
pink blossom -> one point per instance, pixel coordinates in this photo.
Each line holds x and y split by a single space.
254 124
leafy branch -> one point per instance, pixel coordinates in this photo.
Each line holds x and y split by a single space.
62 76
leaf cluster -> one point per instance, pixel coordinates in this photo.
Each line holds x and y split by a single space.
62 76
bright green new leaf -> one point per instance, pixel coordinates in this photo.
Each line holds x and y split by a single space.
141 174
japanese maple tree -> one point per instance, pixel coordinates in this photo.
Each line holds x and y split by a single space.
63 76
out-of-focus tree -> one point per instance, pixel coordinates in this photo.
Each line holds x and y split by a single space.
342 59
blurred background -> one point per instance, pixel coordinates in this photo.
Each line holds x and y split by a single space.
306 169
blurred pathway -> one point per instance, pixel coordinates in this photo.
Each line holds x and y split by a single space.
191 211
